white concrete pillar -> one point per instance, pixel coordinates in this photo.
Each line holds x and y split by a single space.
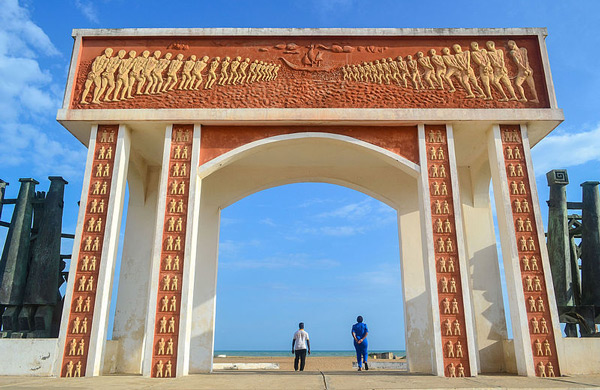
418 324
87 302
484 271
524 251
437 356
134 278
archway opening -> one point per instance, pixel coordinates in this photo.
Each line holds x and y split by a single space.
311 252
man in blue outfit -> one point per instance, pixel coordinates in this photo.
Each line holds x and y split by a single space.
300 344
360 332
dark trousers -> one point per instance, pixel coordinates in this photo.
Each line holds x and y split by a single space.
300 355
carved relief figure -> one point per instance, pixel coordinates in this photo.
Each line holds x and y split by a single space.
425 63
157 73
174 67
197 73
186 75
467 74
212 73
500 75
95 76
480 57
440 68
148 71
525 73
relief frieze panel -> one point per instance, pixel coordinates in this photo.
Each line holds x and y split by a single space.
310 72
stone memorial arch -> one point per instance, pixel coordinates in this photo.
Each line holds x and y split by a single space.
193 120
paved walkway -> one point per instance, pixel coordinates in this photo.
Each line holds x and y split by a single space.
307 380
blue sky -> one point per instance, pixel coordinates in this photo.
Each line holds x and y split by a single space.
312 252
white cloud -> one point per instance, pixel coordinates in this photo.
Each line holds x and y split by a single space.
30 98
350 211
268 222
385 275
88 10
566 149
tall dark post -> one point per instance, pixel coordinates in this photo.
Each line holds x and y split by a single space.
15 257
559 250
3 185
590 245
41 293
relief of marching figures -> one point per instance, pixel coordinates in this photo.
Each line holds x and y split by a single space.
438 71
149 73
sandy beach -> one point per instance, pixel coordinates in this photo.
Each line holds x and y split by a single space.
316 363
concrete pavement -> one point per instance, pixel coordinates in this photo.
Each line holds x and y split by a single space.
307 380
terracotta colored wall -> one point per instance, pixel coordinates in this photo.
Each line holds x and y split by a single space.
216 140
310 74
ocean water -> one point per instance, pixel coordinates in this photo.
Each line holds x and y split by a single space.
289 353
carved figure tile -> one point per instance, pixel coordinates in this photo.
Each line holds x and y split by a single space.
177 243
514 188
452 285
442 263
161 346
163 325
450 264
84 324
459 351
81 347
69 372
79 304
432 153
435 187
446 304
550 369
170 347
73 347
104 188
168 263
537 283
444 284
511 170
444 190
451 370
77 370
529 283
522 190
538 348
525 261
84 263
433 171
532 304
509 153
449 245
525 205
517 153
99 170
171 328
518 208
440 153
86 307
181 188
461 370
535 329
528 225
544 328
76 323
176 263
547 349
448 327
174 283
523 243
431 136
454 306
456 328
168 367
93 263
90 284
447 226
166 283
531 244
437 207
446 208
159 369
442 171
81 286
438 226
441 246
170 241
519 169
173 305
449 349
540 305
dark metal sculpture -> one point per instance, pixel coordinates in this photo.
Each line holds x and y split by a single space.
577 296
31 266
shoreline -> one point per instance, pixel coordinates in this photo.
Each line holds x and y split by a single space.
313 363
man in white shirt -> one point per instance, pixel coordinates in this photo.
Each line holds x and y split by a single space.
300 344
